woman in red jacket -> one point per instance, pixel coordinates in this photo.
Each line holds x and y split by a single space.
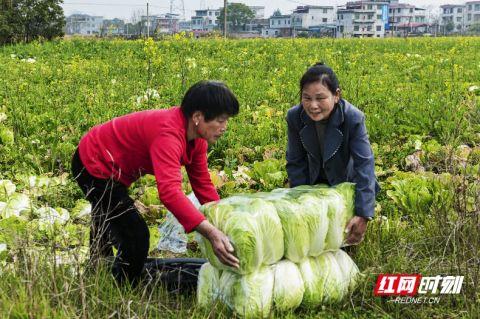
111 156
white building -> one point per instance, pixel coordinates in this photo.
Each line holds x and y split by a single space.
472 13
167 23
362 19
205 20
279 26
258 23
161 24
308 18
406 18
83 24
259 11
455 15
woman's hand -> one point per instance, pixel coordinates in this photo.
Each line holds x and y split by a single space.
220 243
355 230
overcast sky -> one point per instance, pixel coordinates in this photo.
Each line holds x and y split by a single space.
124 8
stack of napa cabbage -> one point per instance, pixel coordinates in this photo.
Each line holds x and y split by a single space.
288 243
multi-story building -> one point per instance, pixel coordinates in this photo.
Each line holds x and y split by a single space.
363 19
184 26
406 18
83 24
167 23
472 13
453 15
279 26
205 20
259 22
113 27
259 11
313 19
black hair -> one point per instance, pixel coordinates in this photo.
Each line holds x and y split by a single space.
322 73
212 98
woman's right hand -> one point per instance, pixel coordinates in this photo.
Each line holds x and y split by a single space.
220 244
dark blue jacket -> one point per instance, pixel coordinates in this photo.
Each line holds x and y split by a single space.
347 154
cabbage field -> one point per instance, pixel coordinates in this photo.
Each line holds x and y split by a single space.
421 98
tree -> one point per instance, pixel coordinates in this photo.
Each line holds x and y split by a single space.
474 28
449 27
8 17
27 20
238 14
277 13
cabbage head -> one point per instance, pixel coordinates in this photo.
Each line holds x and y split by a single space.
252 226
270 228
249 296
349 269
314 211
334 288
288 286
336 220
245 236
7 188
18 204
314 279
347 191
208 285
82 209
295 226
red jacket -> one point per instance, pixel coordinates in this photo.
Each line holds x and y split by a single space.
152 142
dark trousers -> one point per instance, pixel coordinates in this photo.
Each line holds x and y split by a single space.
115 222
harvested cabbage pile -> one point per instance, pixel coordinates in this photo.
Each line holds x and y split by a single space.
285 285
288 243
287 223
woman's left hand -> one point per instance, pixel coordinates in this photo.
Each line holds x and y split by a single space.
355 230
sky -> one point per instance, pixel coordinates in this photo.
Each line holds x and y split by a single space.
124 9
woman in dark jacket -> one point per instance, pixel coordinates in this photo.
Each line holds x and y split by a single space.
112 155
328 143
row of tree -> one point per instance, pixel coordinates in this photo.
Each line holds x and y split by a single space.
27 20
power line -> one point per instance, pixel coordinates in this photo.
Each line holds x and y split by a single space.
124 5
104 4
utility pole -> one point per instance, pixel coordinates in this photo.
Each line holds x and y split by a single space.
170 27
183 9
148 23
393 23
225 19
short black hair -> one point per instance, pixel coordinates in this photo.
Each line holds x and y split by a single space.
322 73
212 98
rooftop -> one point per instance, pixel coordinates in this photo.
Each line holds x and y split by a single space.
446 6
281 16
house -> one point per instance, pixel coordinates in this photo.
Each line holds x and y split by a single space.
454 15
259 11
363 19
113 27
167 23
184 26
259 22
205 20
472 13
406 19
279 26
314 19
83 24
